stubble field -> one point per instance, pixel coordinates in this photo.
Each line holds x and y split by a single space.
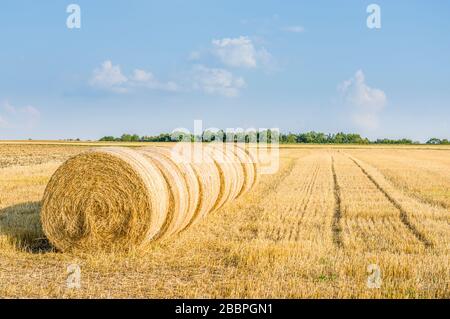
333 222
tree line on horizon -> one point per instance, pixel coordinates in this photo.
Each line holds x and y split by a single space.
268 136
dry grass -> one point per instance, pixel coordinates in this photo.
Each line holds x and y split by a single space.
311 230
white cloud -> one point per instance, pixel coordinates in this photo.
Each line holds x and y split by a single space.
240 52
294 29
12 117
367 102
142 78
217 81
109 77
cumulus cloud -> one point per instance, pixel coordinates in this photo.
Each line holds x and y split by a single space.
366 102
294 29
109 77
217 81
239 52
142 78
13 117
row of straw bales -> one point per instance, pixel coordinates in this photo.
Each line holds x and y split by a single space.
122 199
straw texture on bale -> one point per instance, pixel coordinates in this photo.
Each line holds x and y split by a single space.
120 199
178 192
208 177
253 159
226 158
192 191
105 198
248 170
227 174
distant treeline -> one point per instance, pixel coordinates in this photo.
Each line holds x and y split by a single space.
268 136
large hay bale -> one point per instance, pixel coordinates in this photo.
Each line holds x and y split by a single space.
248 169
227 173
193 187
237 177
209 180
179 198
207 173
109 198
252 153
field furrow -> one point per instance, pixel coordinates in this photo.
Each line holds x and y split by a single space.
336 226
403 214
368 216
423 175
429 223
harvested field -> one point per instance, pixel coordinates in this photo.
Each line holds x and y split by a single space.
310 230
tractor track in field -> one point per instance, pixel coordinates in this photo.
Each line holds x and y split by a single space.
417 196
403 214
337 215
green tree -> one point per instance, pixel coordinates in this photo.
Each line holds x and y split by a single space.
135 138
125 138
434 141
108 139
291 138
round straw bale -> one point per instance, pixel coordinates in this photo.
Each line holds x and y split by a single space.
235 161
191 182
207 175
231 159
232 171
178 191
252 153
248 169
226 173
105 199
209 180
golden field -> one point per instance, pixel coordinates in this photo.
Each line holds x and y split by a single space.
309 231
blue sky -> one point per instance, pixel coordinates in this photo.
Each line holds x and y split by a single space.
147 67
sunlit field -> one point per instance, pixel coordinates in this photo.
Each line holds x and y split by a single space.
333 222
